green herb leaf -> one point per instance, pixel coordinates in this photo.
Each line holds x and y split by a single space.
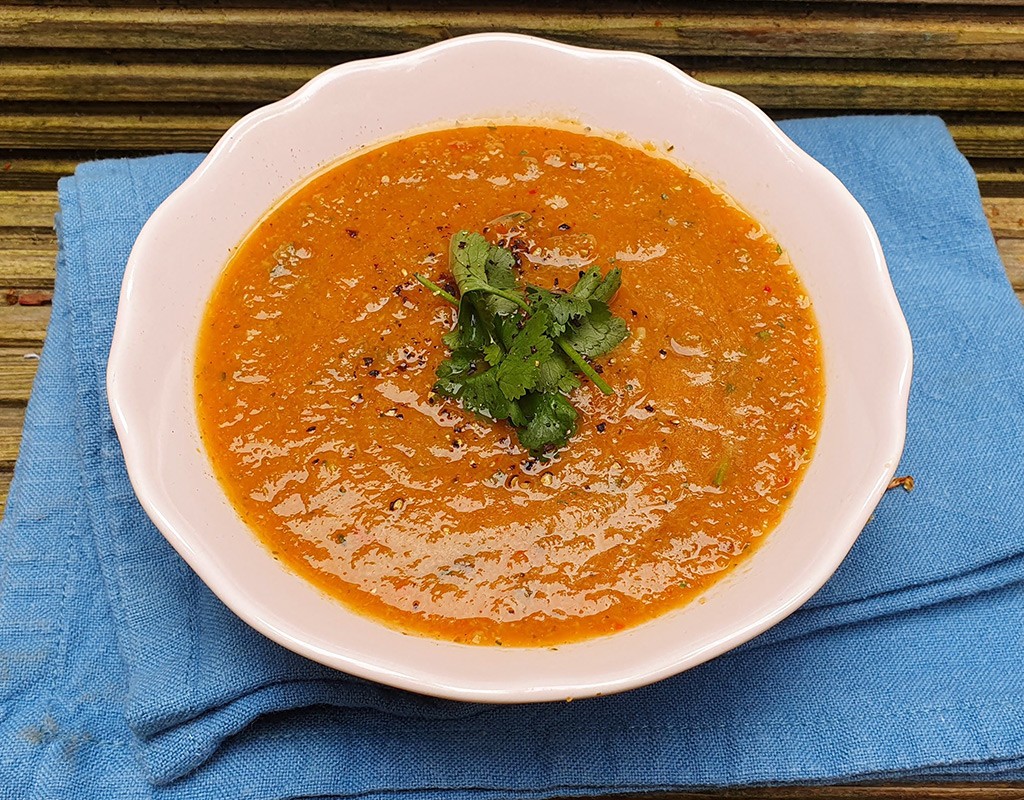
480 267
519 371
561 306
551 421
597 333
515 352
556 375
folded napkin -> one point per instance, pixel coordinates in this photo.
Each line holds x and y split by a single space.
121 675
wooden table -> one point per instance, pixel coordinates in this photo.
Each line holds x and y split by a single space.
79 82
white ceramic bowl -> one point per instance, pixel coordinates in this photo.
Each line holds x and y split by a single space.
183 247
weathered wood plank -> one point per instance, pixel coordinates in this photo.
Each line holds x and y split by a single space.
132 81
1000 178
989 140
23 327
1005 216
22 268
133 133
828 32
6 473
27 209
11 420
1012 253
851 89
148 132
976 135
34 173
18 373
768 86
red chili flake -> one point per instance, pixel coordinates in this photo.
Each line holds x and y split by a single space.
532 191
768 289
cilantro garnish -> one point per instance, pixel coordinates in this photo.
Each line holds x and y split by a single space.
517 351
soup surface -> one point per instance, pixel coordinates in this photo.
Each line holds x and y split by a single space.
316 362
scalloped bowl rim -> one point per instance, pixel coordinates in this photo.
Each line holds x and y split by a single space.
158 443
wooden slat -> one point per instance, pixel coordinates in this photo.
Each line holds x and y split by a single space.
1000 178
34 173
134 133
768 86
11 421
5 487
26 269
976 136
1005 216
27 258
133 81
147 132
828 32
27 209
850 90
1012 253
18 373
989 140
23 327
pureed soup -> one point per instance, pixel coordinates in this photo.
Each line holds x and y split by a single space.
316 366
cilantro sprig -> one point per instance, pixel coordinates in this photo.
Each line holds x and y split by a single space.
517 352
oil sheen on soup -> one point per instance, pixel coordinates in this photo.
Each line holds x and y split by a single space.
316 363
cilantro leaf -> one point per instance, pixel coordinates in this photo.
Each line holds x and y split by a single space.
519 371
480 393
469 333
608 287
561 306
480 267
597 333
454 371
551 421
556 375
515 352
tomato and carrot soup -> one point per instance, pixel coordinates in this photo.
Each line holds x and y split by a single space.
509 385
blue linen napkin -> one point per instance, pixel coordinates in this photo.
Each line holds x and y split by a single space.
121 675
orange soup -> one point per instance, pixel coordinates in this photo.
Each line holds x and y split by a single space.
317 358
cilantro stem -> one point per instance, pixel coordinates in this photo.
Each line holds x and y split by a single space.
435 289
585 368
511 297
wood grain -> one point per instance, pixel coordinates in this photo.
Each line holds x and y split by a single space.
767 86
36 173
18 366
26 268
137 133
147 130
1005 216
23 327
11 421
27 209
828 31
